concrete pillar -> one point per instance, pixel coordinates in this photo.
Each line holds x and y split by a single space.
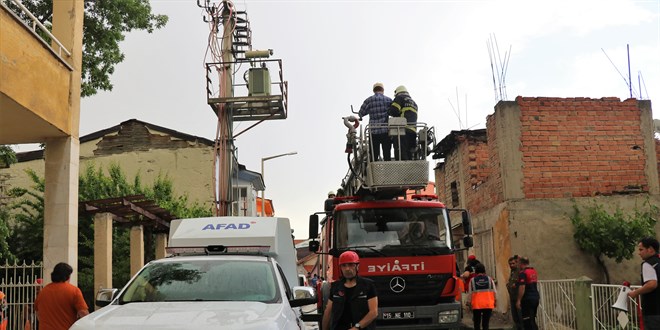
62 154
61 205
508 124
651 164
102 251
161 244
68 29
583 312
137 249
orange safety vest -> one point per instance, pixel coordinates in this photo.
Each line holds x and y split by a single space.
482 291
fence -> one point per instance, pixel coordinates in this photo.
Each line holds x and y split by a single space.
605 317
579 304
19 284
557 306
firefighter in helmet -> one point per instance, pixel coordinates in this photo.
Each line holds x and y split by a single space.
353 301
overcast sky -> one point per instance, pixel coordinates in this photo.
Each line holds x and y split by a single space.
333 52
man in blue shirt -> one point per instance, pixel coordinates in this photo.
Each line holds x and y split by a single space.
376 106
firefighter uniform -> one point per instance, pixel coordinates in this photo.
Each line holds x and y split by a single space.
404 106
530 300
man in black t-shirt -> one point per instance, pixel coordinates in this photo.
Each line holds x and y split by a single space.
353 302
648 251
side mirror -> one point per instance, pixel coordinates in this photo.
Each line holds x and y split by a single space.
467 223
314 246
313 226
105 296
303 295
468 242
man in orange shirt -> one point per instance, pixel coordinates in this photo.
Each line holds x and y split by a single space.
60 304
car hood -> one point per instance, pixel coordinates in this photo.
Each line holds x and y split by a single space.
190 315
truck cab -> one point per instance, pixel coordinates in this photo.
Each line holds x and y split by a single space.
406 240
224 273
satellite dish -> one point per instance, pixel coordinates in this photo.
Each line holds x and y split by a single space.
656 125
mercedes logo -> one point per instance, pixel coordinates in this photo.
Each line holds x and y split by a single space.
397 284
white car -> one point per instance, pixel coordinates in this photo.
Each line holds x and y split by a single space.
203 292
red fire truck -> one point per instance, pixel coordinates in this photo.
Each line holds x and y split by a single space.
406 241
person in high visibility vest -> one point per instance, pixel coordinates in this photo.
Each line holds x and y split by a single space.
481 297
3 306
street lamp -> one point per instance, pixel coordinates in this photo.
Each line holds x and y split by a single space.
263 192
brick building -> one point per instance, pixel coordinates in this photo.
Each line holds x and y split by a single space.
521 176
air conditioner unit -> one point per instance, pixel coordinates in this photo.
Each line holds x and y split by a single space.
258 82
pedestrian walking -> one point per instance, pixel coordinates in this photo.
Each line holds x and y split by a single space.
60 304
528 294
376 107
481 298
512 288
353 301
648 249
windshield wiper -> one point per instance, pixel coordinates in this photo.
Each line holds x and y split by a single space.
370 247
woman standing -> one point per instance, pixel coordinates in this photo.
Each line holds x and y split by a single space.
481 297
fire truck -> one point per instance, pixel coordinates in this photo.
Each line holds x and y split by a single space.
406 240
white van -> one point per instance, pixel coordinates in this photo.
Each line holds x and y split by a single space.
211 286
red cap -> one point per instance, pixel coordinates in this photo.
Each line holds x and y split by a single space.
472 257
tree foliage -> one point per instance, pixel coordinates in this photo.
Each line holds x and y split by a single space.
613 235
26 238
105 25
7 156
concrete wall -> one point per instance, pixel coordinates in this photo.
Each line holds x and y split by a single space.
190 169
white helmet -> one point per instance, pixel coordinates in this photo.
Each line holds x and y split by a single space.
331 192
400 89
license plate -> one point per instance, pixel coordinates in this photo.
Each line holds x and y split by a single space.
398 315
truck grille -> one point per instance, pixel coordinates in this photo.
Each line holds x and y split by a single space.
418 289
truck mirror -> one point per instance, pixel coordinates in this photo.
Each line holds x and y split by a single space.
468 242
314 246
467 223
313 226
105 296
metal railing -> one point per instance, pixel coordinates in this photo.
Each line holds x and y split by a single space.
34 23
19 284
557 306
603 296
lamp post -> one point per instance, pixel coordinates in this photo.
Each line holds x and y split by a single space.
263 192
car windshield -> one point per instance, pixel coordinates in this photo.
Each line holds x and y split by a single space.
204 280
391 230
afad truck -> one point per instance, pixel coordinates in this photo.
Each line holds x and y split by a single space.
406 241
223 273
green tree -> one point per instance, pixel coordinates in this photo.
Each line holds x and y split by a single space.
612 235
7 156
105 25
26 239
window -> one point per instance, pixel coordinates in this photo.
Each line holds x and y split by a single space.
204 280
454 194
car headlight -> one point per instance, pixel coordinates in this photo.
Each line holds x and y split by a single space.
448 316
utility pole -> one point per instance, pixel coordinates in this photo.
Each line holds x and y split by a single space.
224 145
230 49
